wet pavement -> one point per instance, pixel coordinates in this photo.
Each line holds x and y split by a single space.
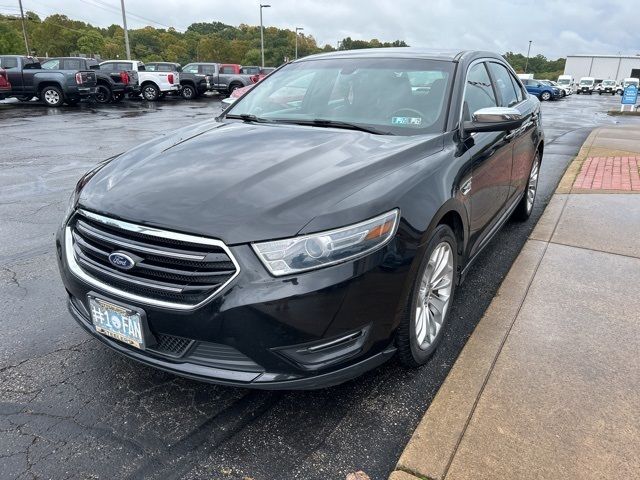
71 408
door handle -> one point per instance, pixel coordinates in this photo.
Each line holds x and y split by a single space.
465 188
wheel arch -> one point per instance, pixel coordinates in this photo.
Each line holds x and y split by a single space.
48 83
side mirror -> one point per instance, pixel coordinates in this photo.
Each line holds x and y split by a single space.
539 84
494 119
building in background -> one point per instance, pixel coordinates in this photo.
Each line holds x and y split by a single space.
603 67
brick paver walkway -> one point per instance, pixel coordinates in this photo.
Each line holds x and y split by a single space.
609 173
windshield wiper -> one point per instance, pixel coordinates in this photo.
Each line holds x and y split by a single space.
248 117
321 122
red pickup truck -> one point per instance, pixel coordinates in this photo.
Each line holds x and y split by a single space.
5 86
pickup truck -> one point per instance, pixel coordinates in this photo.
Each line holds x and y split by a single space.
110 86
222 78
5 86
193 80
53 87
152 84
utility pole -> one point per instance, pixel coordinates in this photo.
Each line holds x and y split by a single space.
526 65
298 29
262 33
24 30
126 32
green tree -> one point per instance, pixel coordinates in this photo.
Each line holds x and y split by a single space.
10 41
91 42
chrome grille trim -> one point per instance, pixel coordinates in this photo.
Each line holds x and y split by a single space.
79 272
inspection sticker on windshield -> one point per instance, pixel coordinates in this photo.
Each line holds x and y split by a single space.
413 121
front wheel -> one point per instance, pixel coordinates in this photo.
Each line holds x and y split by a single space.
150 92
546 96
427 310
52 96
188 92
525 207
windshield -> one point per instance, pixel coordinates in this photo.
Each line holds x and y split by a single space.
393 96
564 81
586 82
608 83
633 81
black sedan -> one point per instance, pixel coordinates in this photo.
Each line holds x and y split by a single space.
318 227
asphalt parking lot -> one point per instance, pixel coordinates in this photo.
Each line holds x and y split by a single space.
71 408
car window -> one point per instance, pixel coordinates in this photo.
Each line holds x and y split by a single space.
504 85
478 92
348 91
516 85
108 67
151 67
51 64
190 68
8 62
72 64
124 66
227 70
209 69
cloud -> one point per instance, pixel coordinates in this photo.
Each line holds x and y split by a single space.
556 28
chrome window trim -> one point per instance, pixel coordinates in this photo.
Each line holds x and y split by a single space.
85 277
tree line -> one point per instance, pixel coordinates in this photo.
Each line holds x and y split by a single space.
58 35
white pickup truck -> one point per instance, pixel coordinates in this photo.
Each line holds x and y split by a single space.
152 84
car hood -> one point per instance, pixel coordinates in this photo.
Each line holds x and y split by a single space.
242 182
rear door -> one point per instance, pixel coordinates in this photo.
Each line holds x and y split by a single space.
524 139
491 158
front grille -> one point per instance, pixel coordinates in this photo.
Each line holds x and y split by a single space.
171 346
168 267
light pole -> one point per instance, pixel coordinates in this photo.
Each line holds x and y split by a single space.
126 32
24 30
298 29
526 65
262 33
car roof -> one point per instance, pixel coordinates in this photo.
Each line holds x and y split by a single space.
452 55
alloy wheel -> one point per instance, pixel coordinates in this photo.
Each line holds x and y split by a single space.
434 295
532 186
51 97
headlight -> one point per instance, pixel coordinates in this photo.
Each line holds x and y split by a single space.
309 252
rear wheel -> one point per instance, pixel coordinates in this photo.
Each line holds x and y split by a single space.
525 207
429 303
103 94
117 97
150 92
234 86
546 96
52 96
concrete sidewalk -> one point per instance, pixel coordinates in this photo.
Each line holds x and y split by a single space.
548 385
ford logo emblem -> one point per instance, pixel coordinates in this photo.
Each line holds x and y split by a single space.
122 261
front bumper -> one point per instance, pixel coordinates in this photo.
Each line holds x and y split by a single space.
307 331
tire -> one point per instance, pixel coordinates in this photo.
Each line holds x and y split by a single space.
545 96
72 102
117 97
51 96
419 332
24 99
103 94
578 92
189 91
563 94
525 206
234 86
599 93
150 92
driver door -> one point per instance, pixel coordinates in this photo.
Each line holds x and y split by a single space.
491 158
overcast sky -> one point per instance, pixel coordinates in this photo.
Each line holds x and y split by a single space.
557 28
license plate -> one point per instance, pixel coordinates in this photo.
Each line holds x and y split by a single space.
117 322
